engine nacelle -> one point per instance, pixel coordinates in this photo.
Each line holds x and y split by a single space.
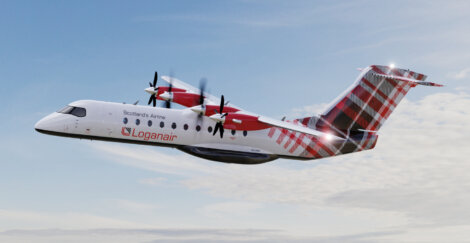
243 122
163 89
182 98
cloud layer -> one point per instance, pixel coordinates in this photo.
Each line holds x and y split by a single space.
418 169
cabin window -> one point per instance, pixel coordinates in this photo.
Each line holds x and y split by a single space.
162 124
137 122
173 125
233 132
149 123
245 133
185 126
124 120
209 129
198 128
73 110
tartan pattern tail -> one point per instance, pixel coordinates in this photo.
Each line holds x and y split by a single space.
368 102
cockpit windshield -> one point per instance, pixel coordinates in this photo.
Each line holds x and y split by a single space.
73 110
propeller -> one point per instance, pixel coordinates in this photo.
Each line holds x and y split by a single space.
202 87
219 125
152 90
168 102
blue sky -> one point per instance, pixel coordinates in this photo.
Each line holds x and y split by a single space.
272 57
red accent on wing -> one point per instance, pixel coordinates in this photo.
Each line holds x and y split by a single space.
211 109
248 122
186 99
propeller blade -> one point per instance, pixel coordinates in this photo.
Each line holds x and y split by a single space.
171 81
221 130
155 79
202 87
221 104
152 99
168 103
216 128
150 84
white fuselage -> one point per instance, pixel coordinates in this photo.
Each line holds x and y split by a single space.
157 126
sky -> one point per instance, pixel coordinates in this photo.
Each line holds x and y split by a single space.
276 58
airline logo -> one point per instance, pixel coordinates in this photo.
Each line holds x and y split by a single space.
131 132
126 131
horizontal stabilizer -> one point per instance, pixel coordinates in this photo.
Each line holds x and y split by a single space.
410 80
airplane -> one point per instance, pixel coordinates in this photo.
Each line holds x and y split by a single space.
350 124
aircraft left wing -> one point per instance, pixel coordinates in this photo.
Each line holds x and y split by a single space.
212 100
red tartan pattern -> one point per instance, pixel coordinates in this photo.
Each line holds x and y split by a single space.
371 101
313 147
366 106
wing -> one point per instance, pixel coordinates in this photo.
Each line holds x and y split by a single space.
212 100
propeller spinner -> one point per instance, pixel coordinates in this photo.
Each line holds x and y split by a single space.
219 118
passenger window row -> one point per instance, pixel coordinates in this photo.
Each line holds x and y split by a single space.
173 125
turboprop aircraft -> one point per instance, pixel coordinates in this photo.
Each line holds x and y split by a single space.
213 129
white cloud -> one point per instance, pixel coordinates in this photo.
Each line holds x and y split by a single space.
308 110
150 159
141 235
418 170
11 219
231 209
157 181
136 207
460 74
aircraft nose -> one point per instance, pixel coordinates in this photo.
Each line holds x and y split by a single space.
41 125
48 123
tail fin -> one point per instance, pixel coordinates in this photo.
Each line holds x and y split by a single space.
369 101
